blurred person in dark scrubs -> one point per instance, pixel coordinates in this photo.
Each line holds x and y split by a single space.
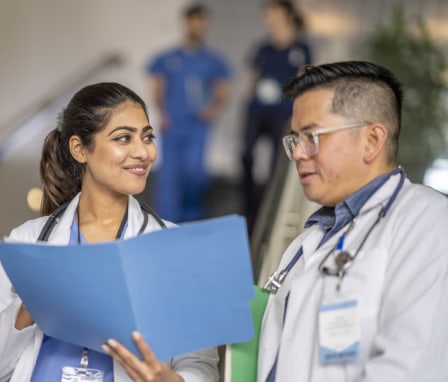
274 62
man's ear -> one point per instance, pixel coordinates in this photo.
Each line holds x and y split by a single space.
77 149
375 141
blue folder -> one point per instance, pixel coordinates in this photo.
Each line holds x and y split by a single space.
184 288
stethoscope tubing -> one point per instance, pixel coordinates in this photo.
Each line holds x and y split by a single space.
276 279
53 220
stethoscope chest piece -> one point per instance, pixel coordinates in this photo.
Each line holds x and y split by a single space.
343 261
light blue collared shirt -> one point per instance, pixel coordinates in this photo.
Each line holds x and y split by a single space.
333 219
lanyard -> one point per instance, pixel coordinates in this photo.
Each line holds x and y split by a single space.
343 260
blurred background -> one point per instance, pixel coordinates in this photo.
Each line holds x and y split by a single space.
51 48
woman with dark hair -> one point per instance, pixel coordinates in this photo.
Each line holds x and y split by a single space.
273 63
99 155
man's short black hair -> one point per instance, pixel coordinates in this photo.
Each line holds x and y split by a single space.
315 76
195 9
362 90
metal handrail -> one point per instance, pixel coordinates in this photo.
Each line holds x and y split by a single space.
9 129
268 209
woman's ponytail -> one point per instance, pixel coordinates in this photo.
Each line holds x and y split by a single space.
58 185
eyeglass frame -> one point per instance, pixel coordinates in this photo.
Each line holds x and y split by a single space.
315 136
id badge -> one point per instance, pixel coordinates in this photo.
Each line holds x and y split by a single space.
339 331
81 374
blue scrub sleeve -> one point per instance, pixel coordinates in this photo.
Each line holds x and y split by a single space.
221 68
157 65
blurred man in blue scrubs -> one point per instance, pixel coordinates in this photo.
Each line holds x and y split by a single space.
190 87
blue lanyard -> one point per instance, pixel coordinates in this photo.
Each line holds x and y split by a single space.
276 280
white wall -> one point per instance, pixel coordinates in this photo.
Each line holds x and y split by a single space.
44 43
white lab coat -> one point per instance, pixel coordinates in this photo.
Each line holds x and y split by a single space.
19 349
400 281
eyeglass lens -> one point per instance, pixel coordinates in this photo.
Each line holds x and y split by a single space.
306 141
289 143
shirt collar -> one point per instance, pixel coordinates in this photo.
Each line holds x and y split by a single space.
335 218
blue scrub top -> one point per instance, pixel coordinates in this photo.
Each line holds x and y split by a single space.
55 354
189 77
280 65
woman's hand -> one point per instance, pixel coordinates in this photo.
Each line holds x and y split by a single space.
148 370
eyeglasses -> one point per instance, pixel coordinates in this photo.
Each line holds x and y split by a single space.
309 140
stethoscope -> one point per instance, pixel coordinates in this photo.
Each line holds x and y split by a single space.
53 220
343 261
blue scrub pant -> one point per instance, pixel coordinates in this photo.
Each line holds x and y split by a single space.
182 178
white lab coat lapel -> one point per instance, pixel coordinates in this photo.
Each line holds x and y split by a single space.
61 232
305 292
270 337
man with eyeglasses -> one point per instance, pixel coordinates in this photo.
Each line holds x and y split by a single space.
361 295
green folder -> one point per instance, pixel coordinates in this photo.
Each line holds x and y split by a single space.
244 355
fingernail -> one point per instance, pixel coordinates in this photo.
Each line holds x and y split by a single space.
105 348
136 335
112 343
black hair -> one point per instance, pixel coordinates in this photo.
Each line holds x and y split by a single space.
87 113
295 15
196 9
362 90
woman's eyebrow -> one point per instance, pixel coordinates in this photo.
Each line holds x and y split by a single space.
130 129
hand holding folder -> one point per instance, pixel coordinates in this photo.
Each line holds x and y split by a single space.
184 288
